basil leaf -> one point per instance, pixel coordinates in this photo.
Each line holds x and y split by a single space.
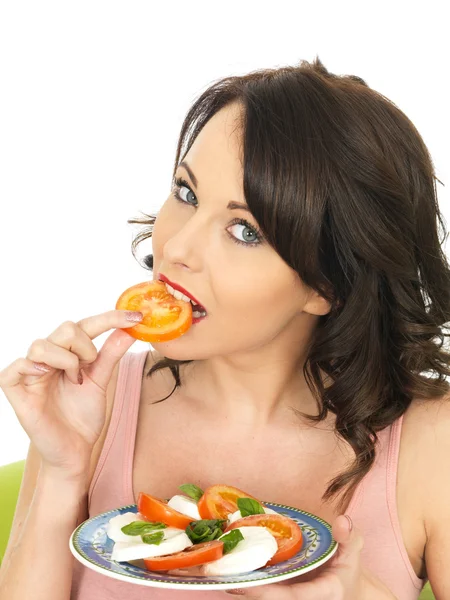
211 522
191 490
153 538
231 539
205 530
141 527
248 507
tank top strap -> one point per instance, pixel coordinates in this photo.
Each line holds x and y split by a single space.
375 513
112 482
391 484
376 474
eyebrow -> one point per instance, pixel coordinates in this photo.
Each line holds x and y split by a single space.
189 170
230 206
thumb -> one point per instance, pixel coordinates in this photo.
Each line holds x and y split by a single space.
114 348
349 538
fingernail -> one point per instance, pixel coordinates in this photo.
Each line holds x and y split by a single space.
80 377
236 592
350 522
134 316
41 367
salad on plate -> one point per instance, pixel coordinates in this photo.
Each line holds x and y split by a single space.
219 531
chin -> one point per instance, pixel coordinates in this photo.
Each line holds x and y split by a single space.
175 351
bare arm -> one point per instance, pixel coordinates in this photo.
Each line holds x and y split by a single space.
66 424
40 564
436 488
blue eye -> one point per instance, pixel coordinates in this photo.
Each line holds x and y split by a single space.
179 184
250 238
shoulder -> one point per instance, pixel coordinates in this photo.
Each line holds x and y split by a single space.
426 444
98 446
428 422
110 398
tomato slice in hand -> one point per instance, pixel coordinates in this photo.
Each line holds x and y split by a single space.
220 500
165 317
286 531
193 556
156 509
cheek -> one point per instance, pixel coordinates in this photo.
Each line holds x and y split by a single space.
164 227
259 296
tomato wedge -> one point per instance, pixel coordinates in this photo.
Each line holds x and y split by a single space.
220 500
286 531
165 317
156 509
191 557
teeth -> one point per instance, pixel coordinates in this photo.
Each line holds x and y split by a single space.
178 295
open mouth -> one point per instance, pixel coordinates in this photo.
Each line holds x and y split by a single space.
198 311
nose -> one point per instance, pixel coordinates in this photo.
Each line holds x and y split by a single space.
187 245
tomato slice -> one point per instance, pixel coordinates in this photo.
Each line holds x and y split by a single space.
193 556
156 509
165 317
220 500
286 531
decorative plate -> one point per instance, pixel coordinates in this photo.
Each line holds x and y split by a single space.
92 547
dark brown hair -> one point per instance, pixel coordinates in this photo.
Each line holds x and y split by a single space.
344 189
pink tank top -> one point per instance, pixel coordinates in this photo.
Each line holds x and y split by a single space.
373 506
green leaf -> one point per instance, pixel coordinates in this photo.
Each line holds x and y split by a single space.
153 538
191 490
231 539
205 530
142 527
248 507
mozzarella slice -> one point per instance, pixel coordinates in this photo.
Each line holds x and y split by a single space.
175 540
253 552
185 505
115 525
237 515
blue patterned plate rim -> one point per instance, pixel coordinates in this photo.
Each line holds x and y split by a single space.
90 545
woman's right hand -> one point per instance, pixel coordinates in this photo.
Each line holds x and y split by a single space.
62 418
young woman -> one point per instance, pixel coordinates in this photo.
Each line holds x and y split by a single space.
304 219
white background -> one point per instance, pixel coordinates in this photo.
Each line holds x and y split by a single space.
92 98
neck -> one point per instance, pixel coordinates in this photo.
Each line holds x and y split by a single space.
251 392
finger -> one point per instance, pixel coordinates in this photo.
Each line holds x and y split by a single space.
350 540
13 374
274 591
113 319
325 589
53 355
347 535
115 346
77 337
73 338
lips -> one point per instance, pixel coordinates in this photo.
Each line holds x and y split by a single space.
196 304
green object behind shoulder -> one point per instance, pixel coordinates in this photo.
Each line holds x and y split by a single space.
10 478
426 594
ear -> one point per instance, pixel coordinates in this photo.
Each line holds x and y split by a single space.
317 305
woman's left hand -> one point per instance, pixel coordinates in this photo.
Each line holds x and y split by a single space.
343 578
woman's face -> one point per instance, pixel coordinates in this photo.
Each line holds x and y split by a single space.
252 297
